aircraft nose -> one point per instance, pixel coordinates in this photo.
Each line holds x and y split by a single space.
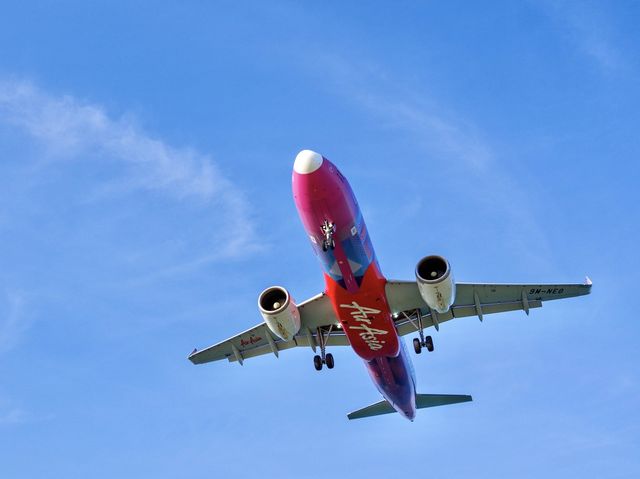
307 161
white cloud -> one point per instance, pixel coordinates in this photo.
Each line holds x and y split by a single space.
444 135
587 26
68 129
370 87
13 322
439 133
12 413
13 416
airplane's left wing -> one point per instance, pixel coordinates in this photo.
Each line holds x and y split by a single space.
316 317
474 299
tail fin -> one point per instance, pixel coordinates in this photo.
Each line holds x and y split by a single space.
422 401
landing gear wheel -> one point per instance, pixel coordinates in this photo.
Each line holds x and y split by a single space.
328 360
317 362
328 230
417 346
326 245
428 342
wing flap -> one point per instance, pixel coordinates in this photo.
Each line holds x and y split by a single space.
405 326
336 339
244 342
491 293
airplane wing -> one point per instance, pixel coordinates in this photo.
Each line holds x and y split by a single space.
474 299
315 313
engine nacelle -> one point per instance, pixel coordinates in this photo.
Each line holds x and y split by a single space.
435 282
279 312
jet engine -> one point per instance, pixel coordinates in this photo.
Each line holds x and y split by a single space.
435 282
279 312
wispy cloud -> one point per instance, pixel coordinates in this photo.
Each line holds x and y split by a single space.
13 320
587 26
13 416
12 413
371 87
69 129
438 132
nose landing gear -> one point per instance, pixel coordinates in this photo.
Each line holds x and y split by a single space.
328 229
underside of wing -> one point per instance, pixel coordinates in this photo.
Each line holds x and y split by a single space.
316 318
474 299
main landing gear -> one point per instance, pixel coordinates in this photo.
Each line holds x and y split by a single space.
324 357
417 344
422 341
318 361
328 229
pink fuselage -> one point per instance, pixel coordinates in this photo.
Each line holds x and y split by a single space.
355 283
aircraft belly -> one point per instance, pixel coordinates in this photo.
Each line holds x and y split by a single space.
394 380
365 316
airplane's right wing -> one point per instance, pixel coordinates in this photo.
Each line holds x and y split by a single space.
474 299
316 317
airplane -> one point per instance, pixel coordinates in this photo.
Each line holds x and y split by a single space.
360 307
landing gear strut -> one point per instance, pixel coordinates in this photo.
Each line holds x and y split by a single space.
422 341
324 357
328 229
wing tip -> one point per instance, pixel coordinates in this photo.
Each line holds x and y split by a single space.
587 281
192 355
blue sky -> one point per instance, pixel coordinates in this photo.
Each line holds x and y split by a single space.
145 200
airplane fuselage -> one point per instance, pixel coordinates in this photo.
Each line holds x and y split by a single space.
353 279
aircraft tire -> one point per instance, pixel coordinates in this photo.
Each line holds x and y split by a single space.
429 343
417 346
328 360
317 362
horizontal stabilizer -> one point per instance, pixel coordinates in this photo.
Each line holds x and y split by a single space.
422 401
376 409
432 400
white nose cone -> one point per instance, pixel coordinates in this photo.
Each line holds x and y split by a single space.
307 162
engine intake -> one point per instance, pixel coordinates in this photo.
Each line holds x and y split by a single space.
435 283
279 311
